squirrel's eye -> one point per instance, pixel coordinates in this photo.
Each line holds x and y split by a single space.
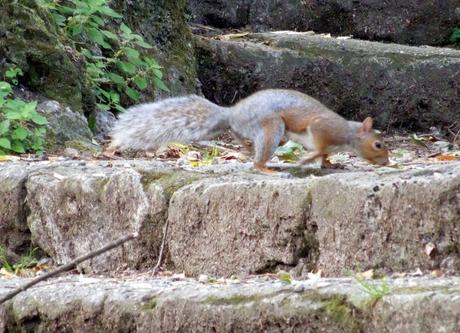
378 145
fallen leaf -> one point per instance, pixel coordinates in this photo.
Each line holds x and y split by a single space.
284 276
367 275
446 157
5 158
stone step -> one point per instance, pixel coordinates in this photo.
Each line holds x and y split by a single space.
401 86
225 221
88 304
406 22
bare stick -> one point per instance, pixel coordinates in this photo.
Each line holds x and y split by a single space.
69 266
160 255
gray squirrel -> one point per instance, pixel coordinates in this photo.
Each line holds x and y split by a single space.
264 117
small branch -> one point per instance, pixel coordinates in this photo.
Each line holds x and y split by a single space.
69 266
160 255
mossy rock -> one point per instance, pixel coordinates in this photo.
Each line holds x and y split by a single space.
29 39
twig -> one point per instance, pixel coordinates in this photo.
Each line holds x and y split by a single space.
69 266
160 255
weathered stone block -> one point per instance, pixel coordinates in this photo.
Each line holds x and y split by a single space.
74 210
232 226
400 86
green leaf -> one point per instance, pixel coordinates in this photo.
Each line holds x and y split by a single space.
127 67
5 143
87 53
455 37
20 133
285 277
97 20
39 120
18 147
132 53
141 82
103 107
109 34
143 44
106 10
157 73
118 79
124 28
119 108
76 29
4 126
114 97
133 94
40 131
13 115
160 84
96 36
5 87
152 62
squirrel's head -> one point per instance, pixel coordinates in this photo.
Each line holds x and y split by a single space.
371 146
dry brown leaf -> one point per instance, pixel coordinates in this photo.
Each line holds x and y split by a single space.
446 157
367 275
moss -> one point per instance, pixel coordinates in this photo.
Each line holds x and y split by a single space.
150 304
33 44
82 146
170 181
233 300
342 313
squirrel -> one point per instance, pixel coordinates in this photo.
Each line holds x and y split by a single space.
265 118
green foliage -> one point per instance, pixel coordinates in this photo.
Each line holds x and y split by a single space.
21 126
290 151
114 65
455 37
26 261
284 277
375 290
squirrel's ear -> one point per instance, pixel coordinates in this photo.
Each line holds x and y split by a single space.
367 125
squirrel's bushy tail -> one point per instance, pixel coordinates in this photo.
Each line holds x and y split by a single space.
179 119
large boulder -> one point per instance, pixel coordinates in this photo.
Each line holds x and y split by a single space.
405 22
400 86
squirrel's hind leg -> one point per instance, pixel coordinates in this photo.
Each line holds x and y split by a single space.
266 141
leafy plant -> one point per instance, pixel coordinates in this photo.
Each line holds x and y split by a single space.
114 65
21 126
375 290
26 261
455 37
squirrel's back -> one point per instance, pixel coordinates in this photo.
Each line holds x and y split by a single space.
177 119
